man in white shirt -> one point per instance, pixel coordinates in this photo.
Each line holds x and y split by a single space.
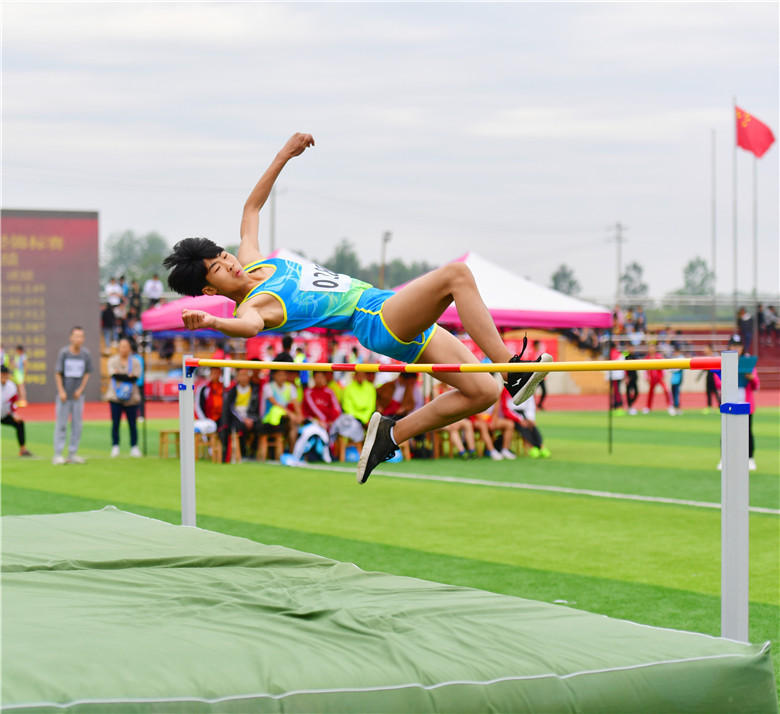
153 290
114 293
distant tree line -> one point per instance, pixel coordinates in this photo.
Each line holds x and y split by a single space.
139 256
698 279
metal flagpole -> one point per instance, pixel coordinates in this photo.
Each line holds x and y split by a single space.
714 244
734 183
755 256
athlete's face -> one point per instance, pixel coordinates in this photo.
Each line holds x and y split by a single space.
224 274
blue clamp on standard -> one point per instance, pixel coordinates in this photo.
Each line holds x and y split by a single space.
182 386
735 408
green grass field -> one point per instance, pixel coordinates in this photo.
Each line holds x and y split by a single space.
648 561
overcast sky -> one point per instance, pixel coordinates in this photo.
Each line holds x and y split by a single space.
523 132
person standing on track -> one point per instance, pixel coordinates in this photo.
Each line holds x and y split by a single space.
71 374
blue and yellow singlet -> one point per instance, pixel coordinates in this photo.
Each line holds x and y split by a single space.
311 296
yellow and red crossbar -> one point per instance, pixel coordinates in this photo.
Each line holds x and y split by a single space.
593 366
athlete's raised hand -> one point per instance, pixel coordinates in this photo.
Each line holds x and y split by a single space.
296 145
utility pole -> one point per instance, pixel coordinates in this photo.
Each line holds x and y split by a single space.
619 238
385 240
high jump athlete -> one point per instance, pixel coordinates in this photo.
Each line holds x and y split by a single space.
282 295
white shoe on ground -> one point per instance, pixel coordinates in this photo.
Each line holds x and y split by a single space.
752 465
114 452
76 459
496 456
135 452
645 411
720 466
59 460
507 454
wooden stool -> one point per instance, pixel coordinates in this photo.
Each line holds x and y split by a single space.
341 447
277 443
168 438
519 443
235 448
211 449
441 441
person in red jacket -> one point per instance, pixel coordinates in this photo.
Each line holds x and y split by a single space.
319 401
655 378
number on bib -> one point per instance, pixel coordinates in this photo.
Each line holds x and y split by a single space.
315 278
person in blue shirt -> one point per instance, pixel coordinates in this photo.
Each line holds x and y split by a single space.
283 295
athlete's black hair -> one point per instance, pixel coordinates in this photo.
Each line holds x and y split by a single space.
188 271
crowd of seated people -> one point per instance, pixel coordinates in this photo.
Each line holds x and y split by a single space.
337 407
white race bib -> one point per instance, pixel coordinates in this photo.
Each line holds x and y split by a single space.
315 278
74 368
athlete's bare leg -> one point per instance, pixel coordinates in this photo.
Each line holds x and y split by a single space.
473 392
418 305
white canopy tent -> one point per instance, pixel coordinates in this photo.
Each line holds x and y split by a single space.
517 302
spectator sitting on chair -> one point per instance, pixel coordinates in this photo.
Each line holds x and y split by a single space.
467 450
524 416
241 411
400 397
359 398
8 408
481 423
499 422
209 397
281 410
319 401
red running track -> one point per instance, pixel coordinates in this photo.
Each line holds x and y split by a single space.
553 403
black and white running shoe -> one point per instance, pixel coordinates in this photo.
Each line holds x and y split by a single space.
378 446
521 385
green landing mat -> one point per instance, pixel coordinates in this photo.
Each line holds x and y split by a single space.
107 611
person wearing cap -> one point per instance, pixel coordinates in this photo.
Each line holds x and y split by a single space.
8 408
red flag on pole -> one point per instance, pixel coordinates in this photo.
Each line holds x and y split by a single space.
753 135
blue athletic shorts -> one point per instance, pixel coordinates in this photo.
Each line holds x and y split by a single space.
368 325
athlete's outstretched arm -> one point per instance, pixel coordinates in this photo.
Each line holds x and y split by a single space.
249 249
248 324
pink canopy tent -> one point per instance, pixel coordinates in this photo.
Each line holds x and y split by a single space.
168 316
516 302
